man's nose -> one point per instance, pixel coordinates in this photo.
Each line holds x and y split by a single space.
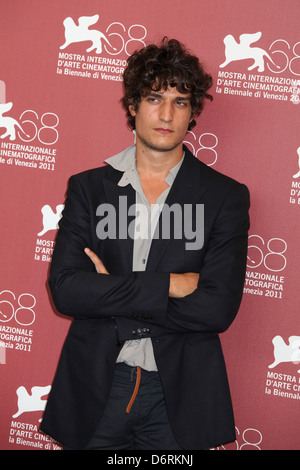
166 112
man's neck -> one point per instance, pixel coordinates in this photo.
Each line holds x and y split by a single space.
155 162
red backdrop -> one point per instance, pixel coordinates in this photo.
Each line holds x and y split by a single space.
61 83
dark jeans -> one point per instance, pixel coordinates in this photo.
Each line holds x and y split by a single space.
146 426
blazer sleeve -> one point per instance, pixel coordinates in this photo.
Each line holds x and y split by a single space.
214 304
78 290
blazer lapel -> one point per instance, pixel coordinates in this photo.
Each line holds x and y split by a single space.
188 188
121 197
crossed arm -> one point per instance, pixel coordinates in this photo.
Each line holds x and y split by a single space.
181 302
180 284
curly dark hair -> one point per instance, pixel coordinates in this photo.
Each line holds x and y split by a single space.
154 68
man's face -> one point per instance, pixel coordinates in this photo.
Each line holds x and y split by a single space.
162 119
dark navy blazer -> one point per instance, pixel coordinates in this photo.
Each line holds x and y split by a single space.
110 309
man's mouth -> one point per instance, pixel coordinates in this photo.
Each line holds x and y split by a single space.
163 130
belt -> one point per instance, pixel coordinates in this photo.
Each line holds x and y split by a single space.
135 391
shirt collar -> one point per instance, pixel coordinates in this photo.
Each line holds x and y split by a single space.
125 161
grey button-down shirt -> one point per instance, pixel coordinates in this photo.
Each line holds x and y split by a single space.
140 352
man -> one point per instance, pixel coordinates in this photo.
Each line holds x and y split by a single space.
149 287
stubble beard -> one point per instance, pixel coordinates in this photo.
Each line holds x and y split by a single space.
159 147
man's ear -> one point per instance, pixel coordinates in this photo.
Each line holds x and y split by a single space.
132 110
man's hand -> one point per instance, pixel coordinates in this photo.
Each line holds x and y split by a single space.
100 268
183 284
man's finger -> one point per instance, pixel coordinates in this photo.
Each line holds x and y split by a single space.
100 268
